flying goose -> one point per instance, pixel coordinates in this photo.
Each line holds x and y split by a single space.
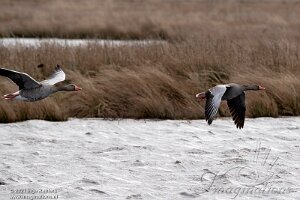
32 90
235 96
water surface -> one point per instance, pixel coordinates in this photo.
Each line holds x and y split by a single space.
35 42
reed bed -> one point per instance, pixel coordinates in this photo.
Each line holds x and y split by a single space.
208 43
158 80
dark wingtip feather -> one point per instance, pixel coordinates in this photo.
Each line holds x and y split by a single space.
40 65
209 121
239 125
237 110
57 68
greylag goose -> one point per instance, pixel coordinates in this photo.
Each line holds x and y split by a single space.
32 90
235 96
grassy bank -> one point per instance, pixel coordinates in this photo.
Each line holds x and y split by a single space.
157 81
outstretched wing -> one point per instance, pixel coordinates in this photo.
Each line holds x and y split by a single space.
24 81
237 109
57 76
213 100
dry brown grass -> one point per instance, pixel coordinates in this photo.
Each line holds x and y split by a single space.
134 19
210 43
156 81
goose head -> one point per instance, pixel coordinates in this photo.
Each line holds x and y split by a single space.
69 87
253 87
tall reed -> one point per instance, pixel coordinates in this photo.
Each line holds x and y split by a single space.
158 80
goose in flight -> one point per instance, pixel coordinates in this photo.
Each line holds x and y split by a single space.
235 96
32 90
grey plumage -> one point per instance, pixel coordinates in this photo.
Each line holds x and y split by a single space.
235 96
24 81
39 93
32 90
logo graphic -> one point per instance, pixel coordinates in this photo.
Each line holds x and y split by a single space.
252 172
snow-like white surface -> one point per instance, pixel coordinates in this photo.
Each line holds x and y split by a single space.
35 42
129 159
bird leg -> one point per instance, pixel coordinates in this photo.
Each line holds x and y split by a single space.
10 96
201 95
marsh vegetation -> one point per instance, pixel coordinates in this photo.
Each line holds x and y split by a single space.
207 43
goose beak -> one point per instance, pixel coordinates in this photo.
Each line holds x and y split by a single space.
77 88
261 88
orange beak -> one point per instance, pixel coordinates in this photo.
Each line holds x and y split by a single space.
77 88
261 88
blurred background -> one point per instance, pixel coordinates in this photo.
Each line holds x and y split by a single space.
188 46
